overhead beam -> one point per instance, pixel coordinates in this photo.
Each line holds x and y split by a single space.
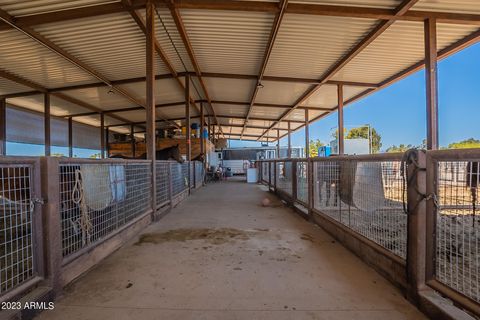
248 6
352 53
268 50
188 46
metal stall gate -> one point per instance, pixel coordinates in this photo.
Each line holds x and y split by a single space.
21 257
453 250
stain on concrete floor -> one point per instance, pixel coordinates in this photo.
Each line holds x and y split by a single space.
213 236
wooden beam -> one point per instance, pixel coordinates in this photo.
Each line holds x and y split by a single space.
47 127
202 126
289 150
340 138
369 38
132 139
3 127
431 83
271 41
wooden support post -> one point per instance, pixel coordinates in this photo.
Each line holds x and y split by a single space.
102 135
213 133
70 137
107 142
46 115
3 127
202 126
132 139
278 143
341 138
417 220
188 135
150 85
307 135
289 150
209 128
430 30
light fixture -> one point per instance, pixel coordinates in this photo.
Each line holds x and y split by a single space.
260 85
111 91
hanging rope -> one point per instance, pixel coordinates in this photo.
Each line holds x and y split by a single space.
78 198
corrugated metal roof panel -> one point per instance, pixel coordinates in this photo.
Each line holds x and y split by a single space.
26 58
262 112
21 8
389 4
280 92
399 47
58 107
307 45
299 114
326 96
229 109
228 40
460 6
7 86
113 45
230 89
169 39
100 98
166 91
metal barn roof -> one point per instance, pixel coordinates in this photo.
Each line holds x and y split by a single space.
256 66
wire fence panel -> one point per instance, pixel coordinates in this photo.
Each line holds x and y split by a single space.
284 176
367 197
199 174
457 262
265 167
16 227
179 174
162 182
302 181
98 198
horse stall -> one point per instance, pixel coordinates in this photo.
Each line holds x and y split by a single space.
126 149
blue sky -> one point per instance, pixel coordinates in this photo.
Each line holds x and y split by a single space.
398 112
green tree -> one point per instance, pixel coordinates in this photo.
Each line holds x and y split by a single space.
363 132
400 148
313 147
95 156
465 144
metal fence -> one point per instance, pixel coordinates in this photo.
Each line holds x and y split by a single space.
363 193
163 187
179 174
199 172
454 180
20 239
98 198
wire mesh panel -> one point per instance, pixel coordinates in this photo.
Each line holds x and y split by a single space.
265 166
457 233
199 174
302 182
179 176
16 227
98 198
272 174
284 176
366 196
162 182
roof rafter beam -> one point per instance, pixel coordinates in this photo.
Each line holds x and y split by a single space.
257 6
164 105
188 46
39 88
352 53
268 50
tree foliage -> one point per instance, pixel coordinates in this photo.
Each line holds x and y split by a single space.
313 147
465 144
363 133
400 148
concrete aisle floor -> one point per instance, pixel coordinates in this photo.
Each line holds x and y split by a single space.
221 255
